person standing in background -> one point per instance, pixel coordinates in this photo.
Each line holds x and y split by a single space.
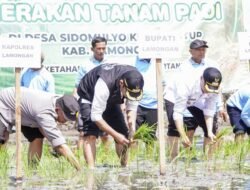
147 109
38 78
98 47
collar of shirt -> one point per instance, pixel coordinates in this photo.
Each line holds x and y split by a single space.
142 64
196 64
93 60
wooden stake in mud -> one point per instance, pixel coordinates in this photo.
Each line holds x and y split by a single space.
159 43
160 117
17 58
248 65
18 126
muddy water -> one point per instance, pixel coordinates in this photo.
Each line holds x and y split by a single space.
143 175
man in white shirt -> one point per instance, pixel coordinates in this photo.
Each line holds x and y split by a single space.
195 66
101 92
199 95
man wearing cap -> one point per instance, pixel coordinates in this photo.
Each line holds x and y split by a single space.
40 112
238 109
194 67
199 95
101 92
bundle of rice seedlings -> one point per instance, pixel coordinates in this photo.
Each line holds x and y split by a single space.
145 133
223 132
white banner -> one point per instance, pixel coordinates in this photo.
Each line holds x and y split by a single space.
244 45
20 53
160 44
246 14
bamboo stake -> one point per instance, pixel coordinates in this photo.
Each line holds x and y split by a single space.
248 65
160 117
18 126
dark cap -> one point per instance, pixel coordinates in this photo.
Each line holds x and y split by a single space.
212 79
69 105
133 82
198 44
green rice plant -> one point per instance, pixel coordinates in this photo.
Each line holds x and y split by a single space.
223 132
144 145
4 162
53 167
28 170
234 154
243 149
179 156
106 155
227 150
153 151
246 169
49 167
145 133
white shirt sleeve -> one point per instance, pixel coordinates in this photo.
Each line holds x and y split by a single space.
101 95
210 105
181 98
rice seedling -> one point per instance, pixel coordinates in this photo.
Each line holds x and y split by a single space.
145 133
106 156
143 146
242 151
231 155
56 171
4 162
223 132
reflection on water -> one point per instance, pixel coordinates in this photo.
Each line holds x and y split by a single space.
197 175
143 174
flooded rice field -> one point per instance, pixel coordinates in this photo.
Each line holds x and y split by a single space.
228 169
194 176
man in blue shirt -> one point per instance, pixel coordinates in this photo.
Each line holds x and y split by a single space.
98 48
238 109
42 80
147 109
38 78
